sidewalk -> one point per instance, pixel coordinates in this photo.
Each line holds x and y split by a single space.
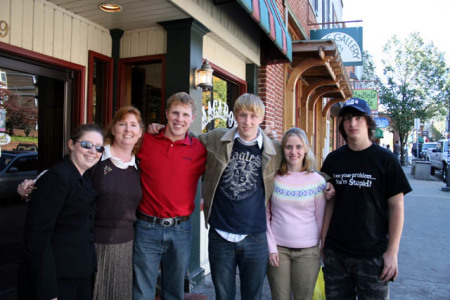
423 275
424 257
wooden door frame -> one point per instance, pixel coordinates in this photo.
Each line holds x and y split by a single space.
124 78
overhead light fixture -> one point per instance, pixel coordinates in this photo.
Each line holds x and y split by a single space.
110 7
203 76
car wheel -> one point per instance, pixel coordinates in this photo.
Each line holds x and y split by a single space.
444 172
432 170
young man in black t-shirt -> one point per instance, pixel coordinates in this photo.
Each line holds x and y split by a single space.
364 222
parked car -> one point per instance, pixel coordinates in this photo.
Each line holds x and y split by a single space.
425 148
15 166
439 158
27 147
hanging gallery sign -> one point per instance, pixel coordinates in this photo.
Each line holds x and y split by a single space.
348 41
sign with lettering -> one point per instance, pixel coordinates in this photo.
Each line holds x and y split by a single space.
217 110
381 122
348 42
371 97
5 139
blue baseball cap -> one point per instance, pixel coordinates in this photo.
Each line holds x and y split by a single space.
356 103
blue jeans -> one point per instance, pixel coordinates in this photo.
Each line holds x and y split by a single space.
249 255
155 246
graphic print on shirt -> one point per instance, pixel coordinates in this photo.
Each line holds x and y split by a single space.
288 192
241 175
359 179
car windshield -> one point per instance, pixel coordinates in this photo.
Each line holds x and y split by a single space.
428 146
5 160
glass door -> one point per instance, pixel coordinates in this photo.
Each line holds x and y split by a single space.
35 120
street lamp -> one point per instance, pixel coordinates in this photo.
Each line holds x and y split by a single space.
203 76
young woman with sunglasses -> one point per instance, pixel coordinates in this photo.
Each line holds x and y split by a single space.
59 251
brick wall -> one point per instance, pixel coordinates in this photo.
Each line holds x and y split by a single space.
303 12
271 80
271 92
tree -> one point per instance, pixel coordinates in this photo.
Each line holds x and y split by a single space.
21 113
369 68
416 74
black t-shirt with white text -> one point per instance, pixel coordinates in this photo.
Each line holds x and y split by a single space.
364 181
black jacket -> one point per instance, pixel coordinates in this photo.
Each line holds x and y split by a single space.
59 229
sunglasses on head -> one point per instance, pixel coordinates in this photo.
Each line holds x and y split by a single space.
89 145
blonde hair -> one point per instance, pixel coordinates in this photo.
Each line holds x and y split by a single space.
309 161
119 116
249 102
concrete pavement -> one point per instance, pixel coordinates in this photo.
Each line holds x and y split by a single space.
424 257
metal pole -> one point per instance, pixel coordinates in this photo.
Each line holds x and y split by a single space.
447 187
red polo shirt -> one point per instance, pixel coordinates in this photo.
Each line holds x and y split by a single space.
169 174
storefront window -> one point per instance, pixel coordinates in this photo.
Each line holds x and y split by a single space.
217 105
18 131
33 134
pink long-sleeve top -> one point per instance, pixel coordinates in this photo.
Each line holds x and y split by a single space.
295 211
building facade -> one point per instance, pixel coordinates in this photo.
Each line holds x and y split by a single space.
83 63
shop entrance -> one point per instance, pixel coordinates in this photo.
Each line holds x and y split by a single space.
35 120
142 85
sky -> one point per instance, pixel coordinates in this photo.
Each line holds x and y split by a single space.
381 19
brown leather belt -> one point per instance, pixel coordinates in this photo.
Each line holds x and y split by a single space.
165 222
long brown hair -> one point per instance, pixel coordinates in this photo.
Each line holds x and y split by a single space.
119 116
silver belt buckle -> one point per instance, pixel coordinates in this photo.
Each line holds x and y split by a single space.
166 222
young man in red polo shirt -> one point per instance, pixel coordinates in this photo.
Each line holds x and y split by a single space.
171 163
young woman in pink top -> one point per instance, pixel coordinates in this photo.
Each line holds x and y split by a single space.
294 221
